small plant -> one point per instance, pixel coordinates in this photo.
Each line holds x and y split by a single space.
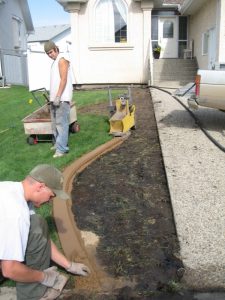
173 286
157 48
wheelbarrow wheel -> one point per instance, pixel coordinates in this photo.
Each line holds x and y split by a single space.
74 127
32 140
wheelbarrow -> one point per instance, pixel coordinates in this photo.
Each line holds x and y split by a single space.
123 119
38 125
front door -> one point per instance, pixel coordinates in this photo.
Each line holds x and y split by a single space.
168 37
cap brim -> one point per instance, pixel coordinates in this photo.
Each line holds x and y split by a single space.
61 194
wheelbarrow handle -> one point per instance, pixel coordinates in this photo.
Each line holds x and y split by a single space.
37 90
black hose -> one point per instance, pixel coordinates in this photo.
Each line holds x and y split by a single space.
197 121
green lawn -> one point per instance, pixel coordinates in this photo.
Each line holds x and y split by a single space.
18 157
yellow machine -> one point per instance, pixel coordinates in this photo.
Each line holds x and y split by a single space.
123 119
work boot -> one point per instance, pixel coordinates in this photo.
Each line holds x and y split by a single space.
58 154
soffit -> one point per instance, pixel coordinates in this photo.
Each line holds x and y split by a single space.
190 7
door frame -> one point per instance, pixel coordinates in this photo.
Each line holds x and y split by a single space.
176 32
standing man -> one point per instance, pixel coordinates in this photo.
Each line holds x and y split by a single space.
61 92
25 248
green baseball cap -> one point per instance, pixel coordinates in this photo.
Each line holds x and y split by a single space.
49 45
51 177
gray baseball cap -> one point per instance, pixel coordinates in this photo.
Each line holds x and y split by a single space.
51 177
49 45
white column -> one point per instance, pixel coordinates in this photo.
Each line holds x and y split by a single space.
147 45
75 46
73 9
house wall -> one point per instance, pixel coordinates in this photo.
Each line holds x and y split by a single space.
7 10
13 60
204 19
39 64
106 64
62 40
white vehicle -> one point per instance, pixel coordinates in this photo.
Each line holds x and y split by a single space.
209 90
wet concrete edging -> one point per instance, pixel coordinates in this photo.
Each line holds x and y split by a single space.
69 235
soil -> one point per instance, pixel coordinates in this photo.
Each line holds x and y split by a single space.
42 113
122 201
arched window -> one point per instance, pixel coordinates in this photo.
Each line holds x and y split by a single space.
111 21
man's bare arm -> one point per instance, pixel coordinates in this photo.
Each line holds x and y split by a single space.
63 71
17 271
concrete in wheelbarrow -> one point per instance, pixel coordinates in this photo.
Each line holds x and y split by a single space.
195 170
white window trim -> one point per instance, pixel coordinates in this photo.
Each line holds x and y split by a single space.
98 46
17 31
103 47
205 47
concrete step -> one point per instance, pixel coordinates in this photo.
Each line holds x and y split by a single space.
175 78
172 84
178 68
177 71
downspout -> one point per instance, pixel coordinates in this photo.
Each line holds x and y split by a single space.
2 73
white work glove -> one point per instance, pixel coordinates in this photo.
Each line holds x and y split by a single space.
56 101
78 269
51 275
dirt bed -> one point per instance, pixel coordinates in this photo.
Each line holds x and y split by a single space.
123 199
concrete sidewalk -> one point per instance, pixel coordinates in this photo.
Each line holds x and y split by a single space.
195 170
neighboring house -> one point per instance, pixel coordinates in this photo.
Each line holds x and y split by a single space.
206 30
39 63
112 39
15 25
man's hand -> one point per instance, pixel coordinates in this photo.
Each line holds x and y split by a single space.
78 269
51 275
56 101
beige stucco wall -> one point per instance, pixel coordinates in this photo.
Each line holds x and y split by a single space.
200 22
106 64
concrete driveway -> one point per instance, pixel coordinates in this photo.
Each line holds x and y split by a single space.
195 170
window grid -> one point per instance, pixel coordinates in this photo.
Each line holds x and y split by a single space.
111 21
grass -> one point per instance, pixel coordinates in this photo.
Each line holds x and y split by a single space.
18 157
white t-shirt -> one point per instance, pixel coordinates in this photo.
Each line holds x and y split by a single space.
14 221
55 81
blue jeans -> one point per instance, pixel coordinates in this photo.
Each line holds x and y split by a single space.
60 117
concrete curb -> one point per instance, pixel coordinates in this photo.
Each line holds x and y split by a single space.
69 235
